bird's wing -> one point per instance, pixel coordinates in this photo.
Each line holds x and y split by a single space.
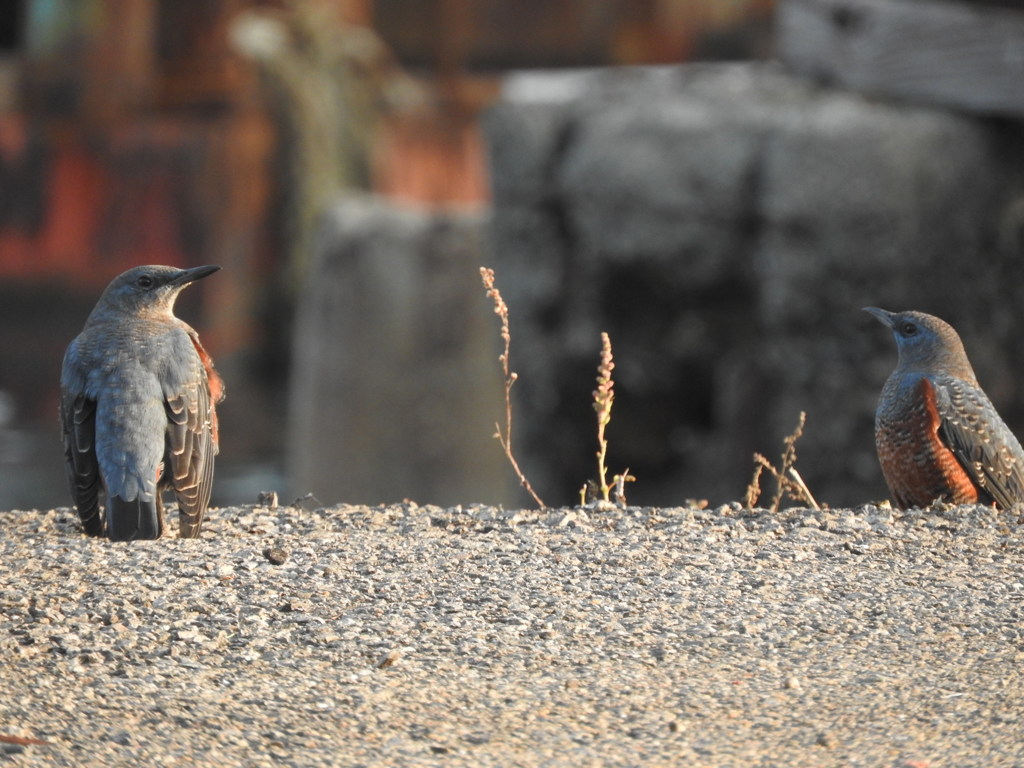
214 383
192 441
982 443
78 426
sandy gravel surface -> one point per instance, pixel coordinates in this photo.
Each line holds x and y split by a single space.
420 636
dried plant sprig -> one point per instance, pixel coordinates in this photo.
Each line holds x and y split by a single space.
588 491
505 438
788 481
805 492
620 486
604 396
754 489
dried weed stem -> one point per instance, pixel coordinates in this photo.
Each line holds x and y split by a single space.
787 480
505 438
604 396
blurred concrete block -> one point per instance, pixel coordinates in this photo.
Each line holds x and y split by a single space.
395 381
964 55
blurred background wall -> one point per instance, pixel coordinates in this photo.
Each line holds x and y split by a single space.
351 164
216 131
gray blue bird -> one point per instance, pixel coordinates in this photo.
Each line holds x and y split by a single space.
138 396
938 435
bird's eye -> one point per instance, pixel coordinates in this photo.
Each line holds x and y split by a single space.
145 281
908 329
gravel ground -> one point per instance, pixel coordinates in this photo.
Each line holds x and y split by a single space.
421 636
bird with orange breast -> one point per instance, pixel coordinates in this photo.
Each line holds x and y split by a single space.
937 434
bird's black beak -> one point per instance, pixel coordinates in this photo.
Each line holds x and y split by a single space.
191 275
885 318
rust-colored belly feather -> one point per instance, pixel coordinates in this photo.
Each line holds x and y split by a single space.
917 465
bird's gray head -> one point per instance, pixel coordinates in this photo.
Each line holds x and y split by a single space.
925 343
149 290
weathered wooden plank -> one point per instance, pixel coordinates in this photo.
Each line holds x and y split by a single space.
967 56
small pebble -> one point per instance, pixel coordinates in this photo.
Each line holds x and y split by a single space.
276 555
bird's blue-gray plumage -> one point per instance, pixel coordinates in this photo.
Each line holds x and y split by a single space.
137 408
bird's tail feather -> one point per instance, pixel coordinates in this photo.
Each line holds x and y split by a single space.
132 520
